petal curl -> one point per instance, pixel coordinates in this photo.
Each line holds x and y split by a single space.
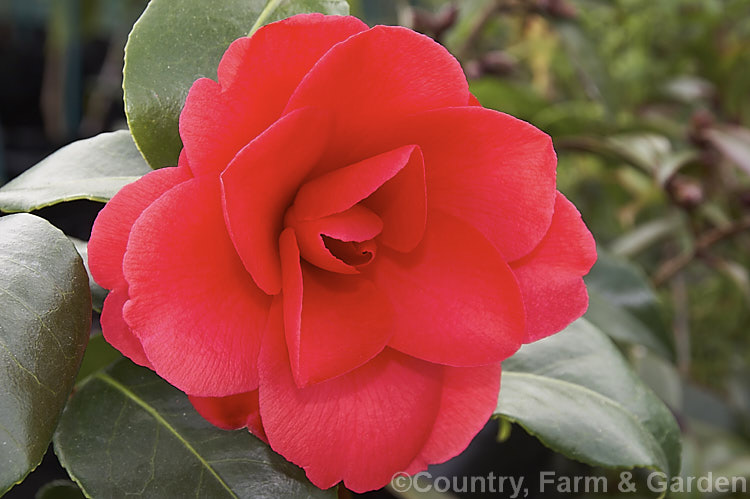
197 312
117 332
220 118
469 398
391 401
231 412
456 301
109 236
333 323
346 230
259 185
374 76
551 276
393 183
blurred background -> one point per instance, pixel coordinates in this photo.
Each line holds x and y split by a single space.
648 104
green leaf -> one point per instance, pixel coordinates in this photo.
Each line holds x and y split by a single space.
60 489
99 354
623 305
507 96
645 235
94 169
128 432
582 51
575 392
98 293
45 315
175 43
733 142
645 149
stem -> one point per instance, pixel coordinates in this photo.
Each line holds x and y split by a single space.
681 325
264 14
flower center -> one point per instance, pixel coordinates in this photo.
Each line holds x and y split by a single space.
352 253
341 242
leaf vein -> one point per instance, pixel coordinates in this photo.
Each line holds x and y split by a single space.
158 417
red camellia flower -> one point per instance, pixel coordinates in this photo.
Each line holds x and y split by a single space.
348 248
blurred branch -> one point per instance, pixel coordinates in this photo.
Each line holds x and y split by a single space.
671 267
429 23
681 325
61 81
483 19
107 88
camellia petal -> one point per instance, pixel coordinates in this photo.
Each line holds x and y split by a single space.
299 41
468 401
220 118
260 183
200 324
393 400
374 76
393 182
488 168
456 301
325 341
207 145
315 238
117 332
109 236
231 412
402 205
551 277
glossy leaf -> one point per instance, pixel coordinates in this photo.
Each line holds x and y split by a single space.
621 325
94 169
175 43
45 315
575 392
624 306
127 432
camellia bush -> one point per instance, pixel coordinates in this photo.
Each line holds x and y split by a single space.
324 264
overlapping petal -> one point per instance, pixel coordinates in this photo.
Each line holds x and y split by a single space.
322 240
551 277
391 401
109 236
485 167
456 301
196 311
393 183
468 400
325 341
231 412
117 332
374 77
220 118
260 183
